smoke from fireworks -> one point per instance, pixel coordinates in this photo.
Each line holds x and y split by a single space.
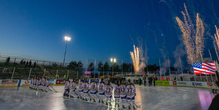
217 36
193 39
137 63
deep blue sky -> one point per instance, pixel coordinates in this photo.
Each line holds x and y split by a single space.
100 29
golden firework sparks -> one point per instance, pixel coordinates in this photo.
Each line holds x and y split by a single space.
193 39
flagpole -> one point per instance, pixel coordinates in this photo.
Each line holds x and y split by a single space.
216 65
202 62
94 67
103 67
211 60
192 67
216 52
169 65
160 68
206 76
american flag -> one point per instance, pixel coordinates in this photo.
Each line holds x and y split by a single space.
204 68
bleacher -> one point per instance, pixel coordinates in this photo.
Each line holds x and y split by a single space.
15 70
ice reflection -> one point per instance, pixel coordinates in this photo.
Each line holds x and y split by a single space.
138 97
205 98
150 98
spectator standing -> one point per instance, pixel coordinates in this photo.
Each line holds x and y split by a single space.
155 81
181 78
34 65
7 61
144 81
21 62
175 79
26 64
140 81
30 63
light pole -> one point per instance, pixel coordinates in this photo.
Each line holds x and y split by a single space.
66 39
113 60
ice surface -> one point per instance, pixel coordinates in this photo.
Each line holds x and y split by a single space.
149 98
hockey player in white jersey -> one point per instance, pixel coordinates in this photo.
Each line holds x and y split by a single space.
86 90
108 92
37 83
47 84
40 84
43 83
93 90
81 88
101 90
67 83
31 83
131 93
72 88
116 92
123 93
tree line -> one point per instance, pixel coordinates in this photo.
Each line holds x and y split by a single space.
124 67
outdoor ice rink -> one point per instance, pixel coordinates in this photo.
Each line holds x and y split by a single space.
149 98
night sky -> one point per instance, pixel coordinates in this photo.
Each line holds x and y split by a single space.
100 29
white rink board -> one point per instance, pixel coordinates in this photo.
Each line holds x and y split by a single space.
193 84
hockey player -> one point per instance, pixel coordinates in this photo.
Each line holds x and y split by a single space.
101 91
116 92
93 90
66 93
31 83
40 84
37 83
81 88
86 89
123 93
108 91
34 82
72 88
131 93
47 85
43 83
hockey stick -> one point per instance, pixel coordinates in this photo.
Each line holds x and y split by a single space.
53 88
138 106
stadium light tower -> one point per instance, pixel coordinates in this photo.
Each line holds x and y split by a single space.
67 39
113 60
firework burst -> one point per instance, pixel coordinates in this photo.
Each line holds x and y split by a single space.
193 39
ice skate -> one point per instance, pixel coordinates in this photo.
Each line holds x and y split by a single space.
123 106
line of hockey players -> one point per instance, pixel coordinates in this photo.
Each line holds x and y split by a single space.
40 83
101 92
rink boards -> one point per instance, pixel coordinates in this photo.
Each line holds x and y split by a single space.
206 85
